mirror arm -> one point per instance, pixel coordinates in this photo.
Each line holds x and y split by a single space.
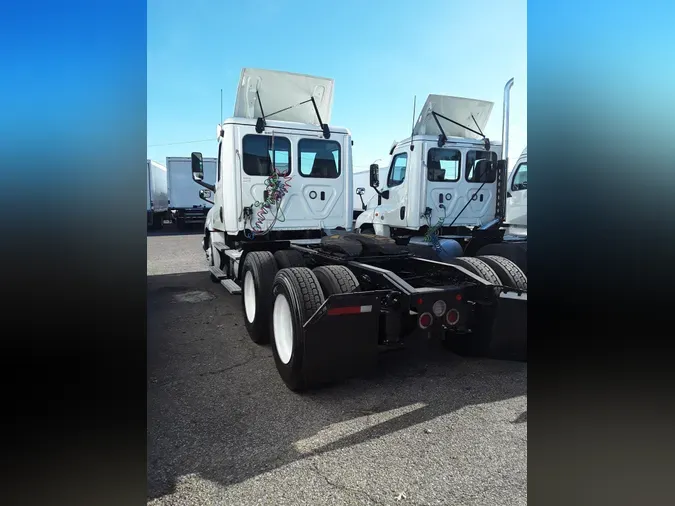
363 204
208 186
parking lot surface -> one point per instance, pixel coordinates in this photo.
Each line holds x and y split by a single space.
428 427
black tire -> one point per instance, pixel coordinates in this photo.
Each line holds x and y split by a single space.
479 268
301 290
289 258
336 279
514 251
262 268
510 274
477 342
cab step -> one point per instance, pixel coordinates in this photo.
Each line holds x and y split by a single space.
217 273
231 286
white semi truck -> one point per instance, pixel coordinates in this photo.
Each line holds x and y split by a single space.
157 202
329 303
448 184
184 202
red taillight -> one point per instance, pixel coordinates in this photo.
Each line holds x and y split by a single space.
425 320
458 296
452 317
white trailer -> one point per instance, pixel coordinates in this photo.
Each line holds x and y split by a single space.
157 204
184 201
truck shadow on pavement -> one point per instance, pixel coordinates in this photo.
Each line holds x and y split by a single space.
216 405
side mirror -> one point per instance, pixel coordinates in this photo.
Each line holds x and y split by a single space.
206 195
485 171
374 175
197 167
360 191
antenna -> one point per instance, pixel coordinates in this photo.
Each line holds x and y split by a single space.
412 130
221 112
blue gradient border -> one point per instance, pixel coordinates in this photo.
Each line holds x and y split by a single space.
72 262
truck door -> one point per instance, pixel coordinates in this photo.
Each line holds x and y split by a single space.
218 196
394 210
516 205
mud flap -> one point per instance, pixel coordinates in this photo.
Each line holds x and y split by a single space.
341 338
509 328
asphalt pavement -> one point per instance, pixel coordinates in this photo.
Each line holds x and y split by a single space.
427 428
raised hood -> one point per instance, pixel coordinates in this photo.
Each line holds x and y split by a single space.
457 109
279 90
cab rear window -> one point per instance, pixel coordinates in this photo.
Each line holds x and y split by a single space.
319 158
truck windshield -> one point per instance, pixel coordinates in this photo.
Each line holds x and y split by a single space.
443 165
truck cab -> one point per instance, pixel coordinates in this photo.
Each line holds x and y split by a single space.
282 171
432 177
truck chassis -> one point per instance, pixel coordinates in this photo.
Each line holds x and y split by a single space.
330 305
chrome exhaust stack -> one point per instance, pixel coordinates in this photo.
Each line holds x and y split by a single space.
505 119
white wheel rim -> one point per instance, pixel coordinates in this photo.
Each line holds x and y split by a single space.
249 296
283 328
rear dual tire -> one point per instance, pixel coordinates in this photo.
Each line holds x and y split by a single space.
298 292
495 270
297 295
258 274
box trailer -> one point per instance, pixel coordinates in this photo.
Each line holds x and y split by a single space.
157 205
184 201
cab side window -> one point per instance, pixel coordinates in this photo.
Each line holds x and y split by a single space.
519 181
397 170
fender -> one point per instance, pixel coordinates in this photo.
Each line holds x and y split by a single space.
367 216
208 224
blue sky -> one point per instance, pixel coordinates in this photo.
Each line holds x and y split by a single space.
381 54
